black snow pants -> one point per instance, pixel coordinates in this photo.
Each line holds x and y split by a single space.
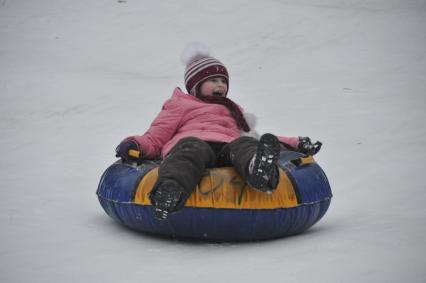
188 159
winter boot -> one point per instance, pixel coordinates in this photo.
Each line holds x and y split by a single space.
166 198
263 171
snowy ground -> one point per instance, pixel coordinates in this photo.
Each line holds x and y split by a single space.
78 76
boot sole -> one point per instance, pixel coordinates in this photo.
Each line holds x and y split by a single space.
267 155
165 203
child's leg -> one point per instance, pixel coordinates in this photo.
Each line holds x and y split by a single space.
186 163
255 161
179 173
238 153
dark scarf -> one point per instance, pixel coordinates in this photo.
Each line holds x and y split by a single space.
232 107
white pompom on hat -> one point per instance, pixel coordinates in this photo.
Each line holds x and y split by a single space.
200 66
194 51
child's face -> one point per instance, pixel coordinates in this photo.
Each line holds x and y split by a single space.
216 86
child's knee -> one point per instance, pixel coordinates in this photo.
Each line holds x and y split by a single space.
193 143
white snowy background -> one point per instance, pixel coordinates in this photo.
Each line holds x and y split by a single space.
78 76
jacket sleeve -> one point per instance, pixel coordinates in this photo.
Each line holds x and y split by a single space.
162 129
291 141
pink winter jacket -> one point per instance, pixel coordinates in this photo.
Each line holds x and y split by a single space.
185 115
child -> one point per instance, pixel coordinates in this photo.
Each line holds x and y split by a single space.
203 129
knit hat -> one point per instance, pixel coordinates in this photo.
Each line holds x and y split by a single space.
200 66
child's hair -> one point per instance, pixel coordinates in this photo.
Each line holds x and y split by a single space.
200 66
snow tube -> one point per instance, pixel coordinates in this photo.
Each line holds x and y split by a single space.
223 207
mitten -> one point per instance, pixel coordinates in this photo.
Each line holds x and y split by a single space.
129 150
305 146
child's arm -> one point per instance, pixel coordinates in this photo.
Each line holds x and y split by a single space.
160 132
301 144
251 120
291 141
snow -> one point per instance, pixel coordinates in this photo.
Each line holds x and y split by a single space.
78 76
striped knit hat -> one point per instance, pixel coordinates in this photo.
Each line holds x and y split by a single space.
200 66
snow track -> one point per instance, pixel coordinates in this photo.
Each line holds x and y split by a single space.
78 76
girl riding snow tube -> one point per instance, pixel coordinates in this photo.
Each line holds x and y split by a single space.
205 129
